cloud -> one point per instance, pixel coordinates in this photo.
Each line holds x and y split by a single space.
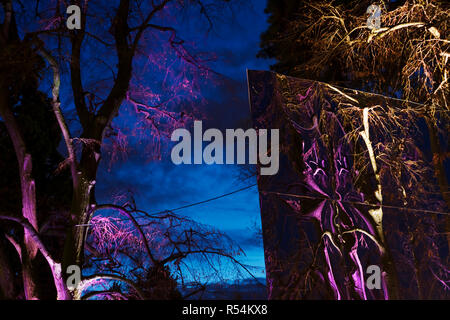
161 185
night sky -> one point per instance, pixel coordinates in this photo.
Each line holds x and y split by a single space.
161 185
367 189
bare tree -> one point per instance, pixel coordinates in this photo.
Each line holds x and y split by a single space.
131 47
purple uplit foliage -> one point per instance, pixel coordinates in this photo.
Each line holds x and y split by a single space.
109 233
165 94
140 249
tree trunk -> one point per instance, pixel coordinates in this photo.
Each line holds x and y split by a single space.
27 183
377 214
82 202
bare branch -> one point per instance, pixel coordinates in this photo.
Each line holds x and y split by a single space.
88 281
60 117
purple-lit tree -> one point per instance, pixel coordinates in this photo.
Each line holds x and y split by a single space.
126 62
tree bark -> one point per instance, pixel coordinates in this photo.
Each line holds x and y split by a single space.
8 36
377 214
27 183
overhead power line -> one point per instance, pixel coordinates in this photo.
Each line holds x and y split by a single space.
282 194
207 200
183 207
358 203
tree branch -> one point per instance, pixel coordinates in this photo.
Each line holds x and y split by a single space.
75 75
55 267
136 225
88 281
59 116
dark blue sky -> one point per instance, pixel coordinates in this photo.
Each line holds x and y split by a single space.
161 185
